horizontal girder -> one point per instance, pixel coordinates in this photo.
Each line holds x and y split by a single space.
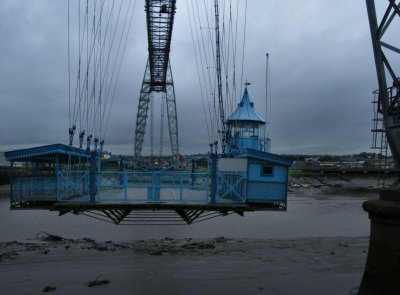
160 19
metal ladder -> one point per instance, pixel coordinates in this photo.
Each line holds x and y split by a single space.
379 140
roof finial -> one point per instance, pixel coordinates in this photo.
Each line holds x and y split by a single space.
246 84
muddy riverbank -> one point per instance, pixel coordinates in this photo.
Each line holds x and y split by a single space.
318 246
183 266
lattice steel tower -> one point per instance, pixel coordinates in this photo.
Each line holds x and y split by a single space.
387 52
158 75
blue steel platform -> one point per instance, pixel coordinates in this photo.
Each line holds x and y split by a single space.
65 179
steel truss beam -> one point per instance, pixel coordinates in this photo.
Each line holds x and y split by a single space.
143 108
160 19
154 217
158 75
172 115
389 85
142 112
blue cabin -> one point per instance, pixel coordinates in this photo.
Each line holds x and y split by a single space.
248 146
69 179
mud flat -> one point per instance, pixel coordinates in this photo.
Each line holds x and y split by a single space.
325 185
319 246
185 266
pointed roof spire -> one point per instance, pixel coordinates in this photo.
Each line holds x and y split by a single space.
245 110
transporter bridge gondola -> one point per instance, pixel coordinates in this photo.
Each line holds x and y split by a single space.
244 177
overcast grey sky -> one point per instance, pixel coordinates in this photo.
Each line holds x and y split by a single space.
321 69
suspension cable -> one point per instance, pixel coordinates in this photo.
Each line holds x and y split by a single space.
244 44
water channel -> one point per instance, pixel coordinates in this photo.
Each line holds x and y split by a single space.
307 216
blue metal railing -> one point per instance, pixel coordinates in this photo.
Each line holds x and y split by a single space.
34 188
151 186
155 186
182 187
72 186
232 187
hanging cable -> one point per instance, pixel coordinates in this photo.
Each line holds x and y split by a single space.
102 43
69 70
198 74
205 69
244 44
119 69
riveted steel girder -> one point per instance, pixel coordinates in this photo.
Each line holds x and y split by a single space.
142 112
160 19
385 49
158 75
143 108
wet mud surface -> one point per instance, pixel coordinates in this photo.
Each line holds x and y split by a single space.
226 266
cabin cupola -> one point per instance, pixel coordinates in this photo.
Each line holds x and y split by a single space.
246 128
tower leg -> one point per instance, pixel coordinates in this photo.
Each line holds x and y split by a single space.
142 112
172 115
143 108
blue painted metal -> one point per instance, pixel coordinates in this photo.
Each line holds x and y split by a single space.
246 128
154 187
91 185
232 187
193 171
58 180
54 149
266 187
245 112
214 184
33 188
73 186
267 157
92 178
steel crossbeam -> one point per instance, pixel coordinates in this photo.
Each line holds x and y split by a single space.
229 187
160 18
158 74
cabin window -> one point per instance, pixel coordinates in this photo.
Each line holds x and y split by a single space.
267 170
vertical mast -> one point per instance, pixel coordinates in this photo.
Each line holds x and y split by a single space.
266 90
219 78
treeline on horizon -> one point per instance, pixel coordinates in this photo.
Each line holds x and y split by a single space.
335 158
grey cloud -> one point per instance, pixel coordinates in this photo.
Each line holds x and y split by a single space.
321 62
